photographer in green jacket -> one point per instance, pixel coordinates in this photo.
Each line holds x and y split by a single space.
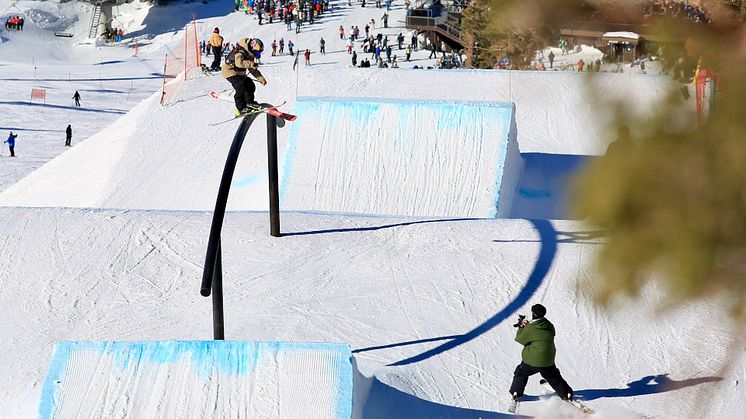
537 338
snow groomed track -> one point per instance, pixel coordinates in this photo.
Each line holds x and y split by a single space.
399 157
198 379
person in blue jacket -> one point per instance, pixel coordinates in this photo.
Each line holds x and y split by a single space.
12 143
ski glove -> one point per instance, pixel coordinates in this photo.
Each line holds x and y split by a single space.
262 80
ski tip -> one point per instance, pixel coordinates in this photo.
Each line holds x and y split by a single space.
215 95
542 381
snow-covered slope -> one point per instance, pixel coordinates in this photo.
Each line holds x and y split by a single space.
170 158
426 304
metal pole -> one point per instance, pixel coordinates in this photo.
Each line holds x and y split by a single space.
218 326
274 189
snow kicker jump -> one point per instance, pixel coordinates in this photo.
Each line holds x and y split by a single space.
396 157
198 379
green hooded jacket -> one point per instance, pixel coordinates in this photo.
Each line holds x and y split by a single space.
537 339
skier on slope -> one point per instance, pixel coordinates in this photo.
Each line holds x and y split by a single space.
242 58
68 135
11 143
538 354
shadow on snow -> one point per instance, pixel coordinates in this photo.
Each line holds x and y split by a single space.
548 237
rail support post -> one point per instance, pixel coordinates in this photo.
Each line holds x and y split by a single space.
274 189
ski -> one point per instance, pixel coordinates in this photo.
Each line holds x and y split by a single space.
513 406
226 96
577 403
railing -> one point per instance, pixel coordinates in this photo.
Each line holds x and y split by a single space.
212 275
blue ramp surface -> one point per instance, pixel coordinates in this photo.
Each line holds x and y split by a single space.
198 379
397 157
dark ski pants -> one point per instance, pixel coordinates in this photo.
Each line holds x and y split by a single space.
550 373
244 88
217 53
67 140
12 151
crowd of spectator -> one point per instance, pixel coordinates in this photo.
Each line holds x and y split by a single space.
676 9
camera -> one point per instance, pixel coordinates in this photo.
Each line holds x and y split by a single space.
521 318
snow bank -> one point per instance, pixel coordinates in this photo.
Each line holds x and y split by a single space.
198 379
395 157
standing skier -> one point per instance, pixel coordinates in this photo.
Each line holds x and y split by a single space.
538 354
76 97
11 143
242 58
216 42
68 135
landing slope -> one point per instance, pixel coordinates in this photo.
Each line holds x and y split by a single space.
426 305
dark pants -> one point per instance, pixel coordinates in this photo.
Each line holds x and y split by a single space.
68 139
244 88
217 53
12 151
77 102
550 373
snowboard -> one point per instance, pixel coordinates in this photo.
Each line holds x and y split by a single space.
228 97
577 403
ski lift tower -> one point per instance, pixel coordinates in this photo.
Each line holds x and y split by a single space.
102 14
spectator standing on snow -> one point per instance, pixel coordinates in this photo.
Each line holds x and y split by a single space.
216 43
433 53
551 59
68 135
274 47
581 63
537 338
350 44
367 30
400 40
385 19
76 97
290 47
408 51
322 46
11 143
354 58
341 32
282 46
307 55
413 42
388 53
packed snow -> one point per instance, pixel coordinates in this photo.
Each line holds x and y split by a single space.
105 240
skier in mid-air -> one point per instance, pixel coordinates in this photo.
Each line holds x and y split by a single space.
243 58
537 338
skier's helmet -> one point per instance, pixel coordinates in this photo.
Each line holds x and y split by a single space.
256 47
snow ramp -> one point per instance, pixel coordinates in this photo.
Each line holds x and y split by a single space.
198 379
401 157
